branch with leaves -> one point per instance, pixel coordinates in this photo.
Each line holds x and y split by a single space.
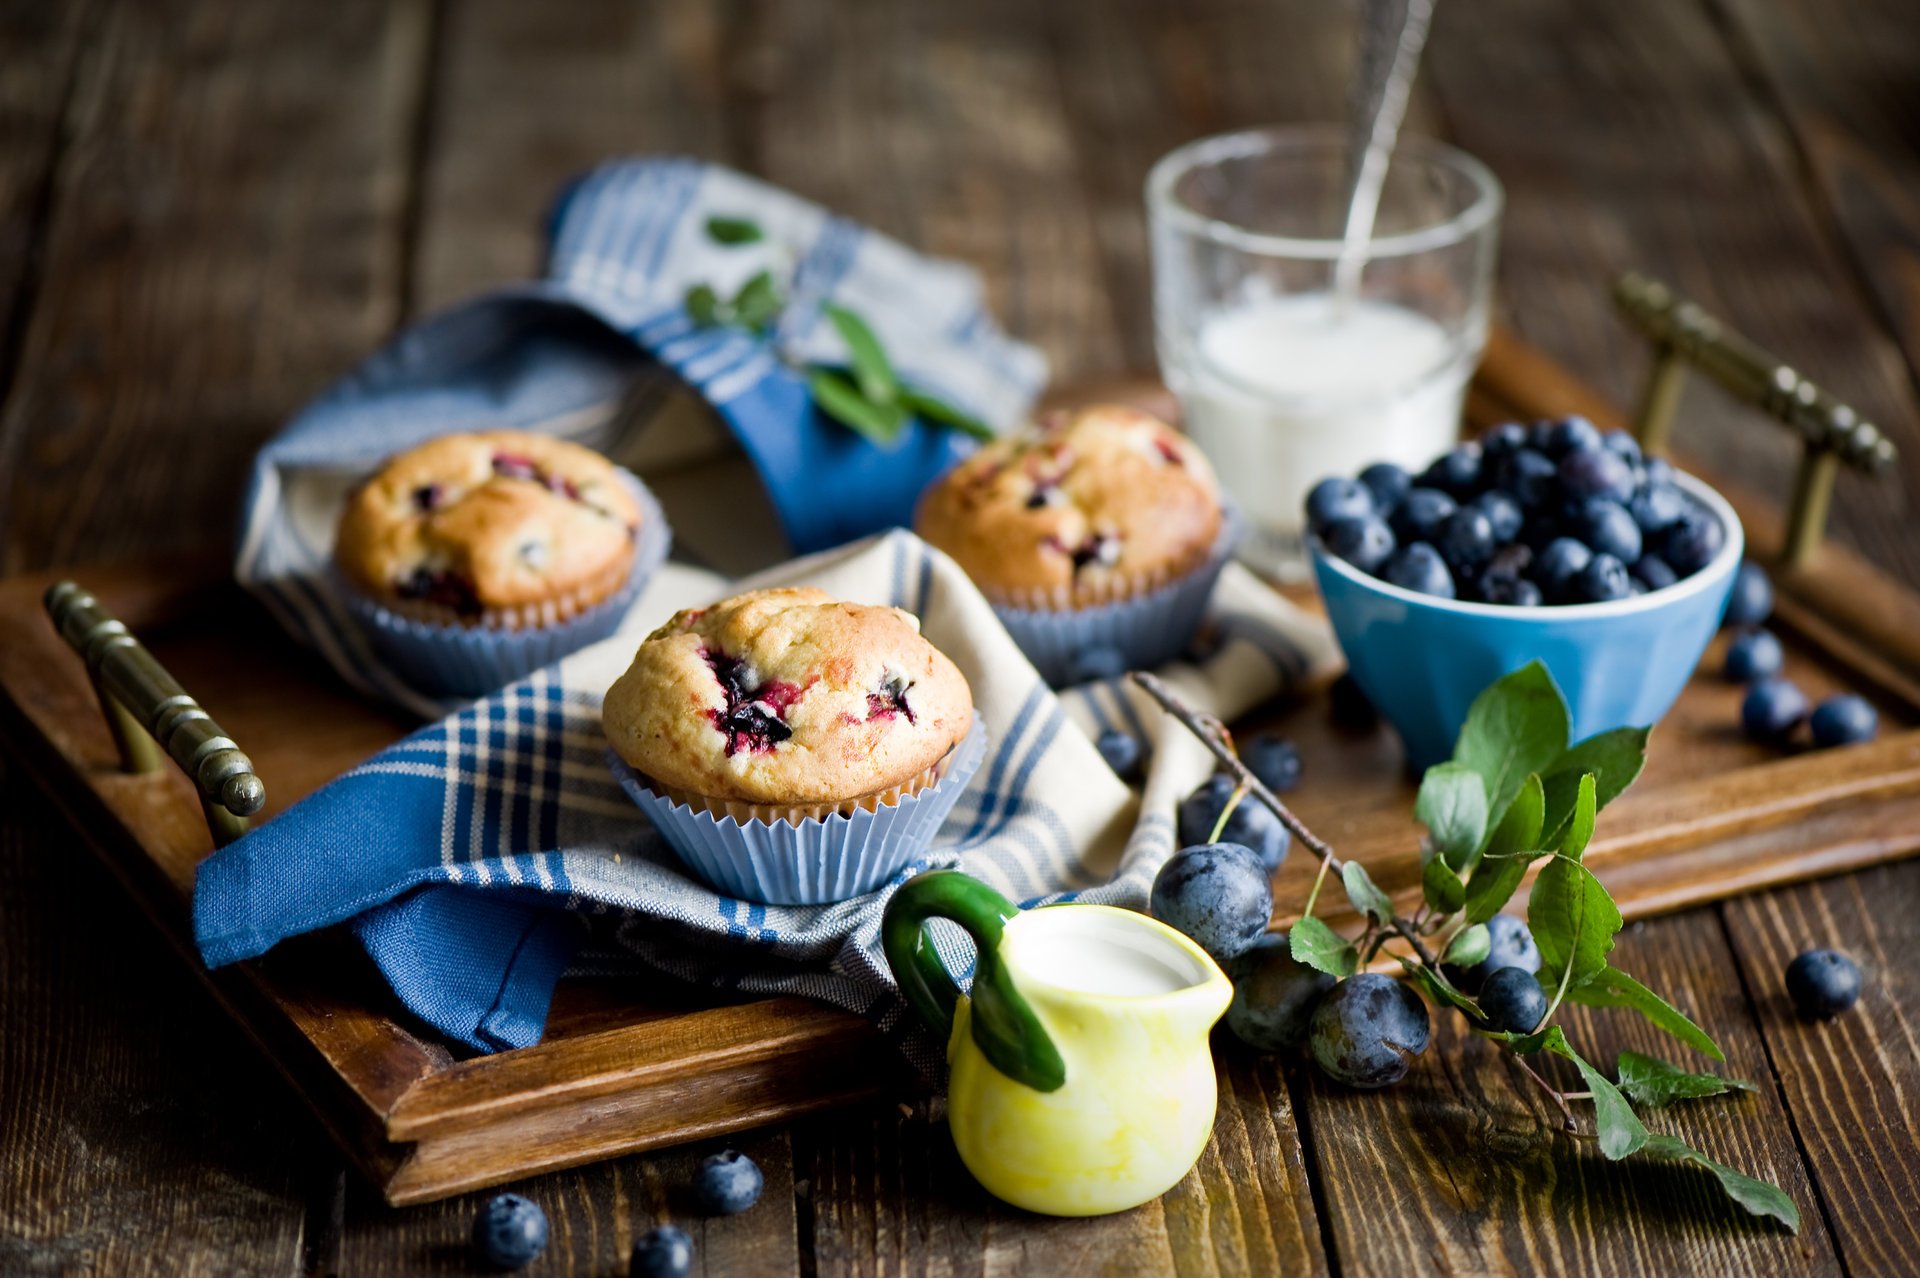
1515 795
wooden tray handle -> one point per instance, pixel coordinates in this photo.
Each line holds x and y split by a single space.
1830 432
147 709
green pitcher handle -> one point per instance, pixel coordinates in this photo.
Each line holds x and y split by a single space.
1007 1032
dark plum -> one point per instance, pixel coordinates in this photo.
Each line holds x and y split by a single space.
1252 825
1512 1000
1510 944
1217 894
1366 1031
1273 995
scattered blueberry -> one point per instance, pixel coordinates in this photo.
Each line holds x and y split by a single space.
1419 515
1388 483
1273 996
1252 825
1274 759
509 1232
1555 567
666 1252
1752 599
1420 568
1596 472
1512 1000
1603 580
1568 435
1338 498
1692 542
1772 710
1607 529
1366 542
1652 572
1844 720
1823 983
1754 655
728 1183
1503 512
1218 894
1121 750
1098 662
1366 1029
1510 944
1466 539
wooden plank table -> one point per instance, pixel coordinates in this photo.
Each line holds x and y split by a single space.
209 207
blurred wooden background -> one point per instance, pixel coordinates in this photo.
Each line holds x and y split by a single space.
208 208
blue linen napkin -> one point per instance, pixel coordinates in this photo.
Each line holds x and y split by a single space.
586 353
481 855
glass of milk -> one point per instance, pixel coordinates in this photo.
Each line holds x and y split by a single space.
1282 379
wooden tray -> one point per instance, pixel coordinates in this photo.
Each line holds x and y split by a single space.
625 1068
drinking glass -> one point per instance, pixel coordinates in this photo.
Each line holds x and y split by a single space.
1281 381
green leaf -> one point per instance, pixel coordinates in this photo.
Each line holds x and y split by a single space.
1573 922
837 397
1468 948
1615 759
871 368
1364 893
734 230
1620 1129
1439 988
1758 1196
1652 1081
1441 886
937 410
703 306
757 304
1321 948
1516 726
1580 828
1614 988
1453 807
1509 852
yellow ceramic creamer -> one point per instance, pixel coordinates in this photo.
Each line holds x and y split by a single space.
1081 1077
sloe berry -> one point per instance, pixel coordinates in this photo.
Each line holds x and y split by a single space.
728 1183
1510 944
1273 995
1121 750
509 1232
1773 708
1274 759
1752 599
665 1252
1217 894
1512 1000
1844 720
1252 824
1752 655
1823 983
1366 1030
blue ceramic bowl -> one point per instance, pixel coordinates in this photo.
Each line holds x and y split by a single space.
1422 660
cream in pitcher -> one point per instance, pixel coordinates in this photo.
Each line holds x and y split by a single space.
1081 1077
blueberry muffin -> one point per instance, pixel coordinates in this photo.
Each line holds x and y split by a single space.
1098 505
788 704
503 529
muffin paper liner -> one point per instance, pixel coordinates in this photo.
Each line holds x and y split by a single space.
1148 629
815 860
471 660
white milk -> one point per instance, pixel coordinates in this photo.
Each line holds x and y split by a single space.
1282 392
1082 955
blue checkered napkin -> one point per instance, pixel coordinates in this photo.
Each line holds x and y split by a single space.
480 856
563 354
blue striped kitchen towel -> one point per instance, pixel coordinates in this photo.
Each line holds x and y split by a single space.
591 351
481 856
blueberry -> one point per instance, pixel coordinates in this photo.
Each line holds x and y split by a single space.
1365 542
1754 654
1512 1000
666 1252
1508 591
1252 825
1099 662
1619 441
727 1183
1823 983
1531 477
1217 894
1420 568
1511 560
1274 759
1388 483
1596 472
1349 703
1752 599
1420 513
1466 539
1121 750
1657 507
1844 720
1456 472
1603 580
1567 436
1337 498
1510 944
1558 562
1503 512
1690 545
509 1232
1273 996
1772 710
1652 572
1607 529
1366 1029
1658 473
1504 440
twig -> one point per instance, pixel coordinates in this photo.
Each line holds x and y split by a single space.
1566 1113
1406 934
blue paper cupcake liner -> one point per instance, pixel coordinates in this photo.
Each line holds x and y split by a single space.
1147 631
815 861
470 661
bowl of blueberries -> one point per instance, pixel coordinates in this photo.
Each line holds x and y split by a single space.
1552 542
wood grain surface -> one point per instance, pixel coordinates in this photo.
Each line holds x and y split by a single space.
210 207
